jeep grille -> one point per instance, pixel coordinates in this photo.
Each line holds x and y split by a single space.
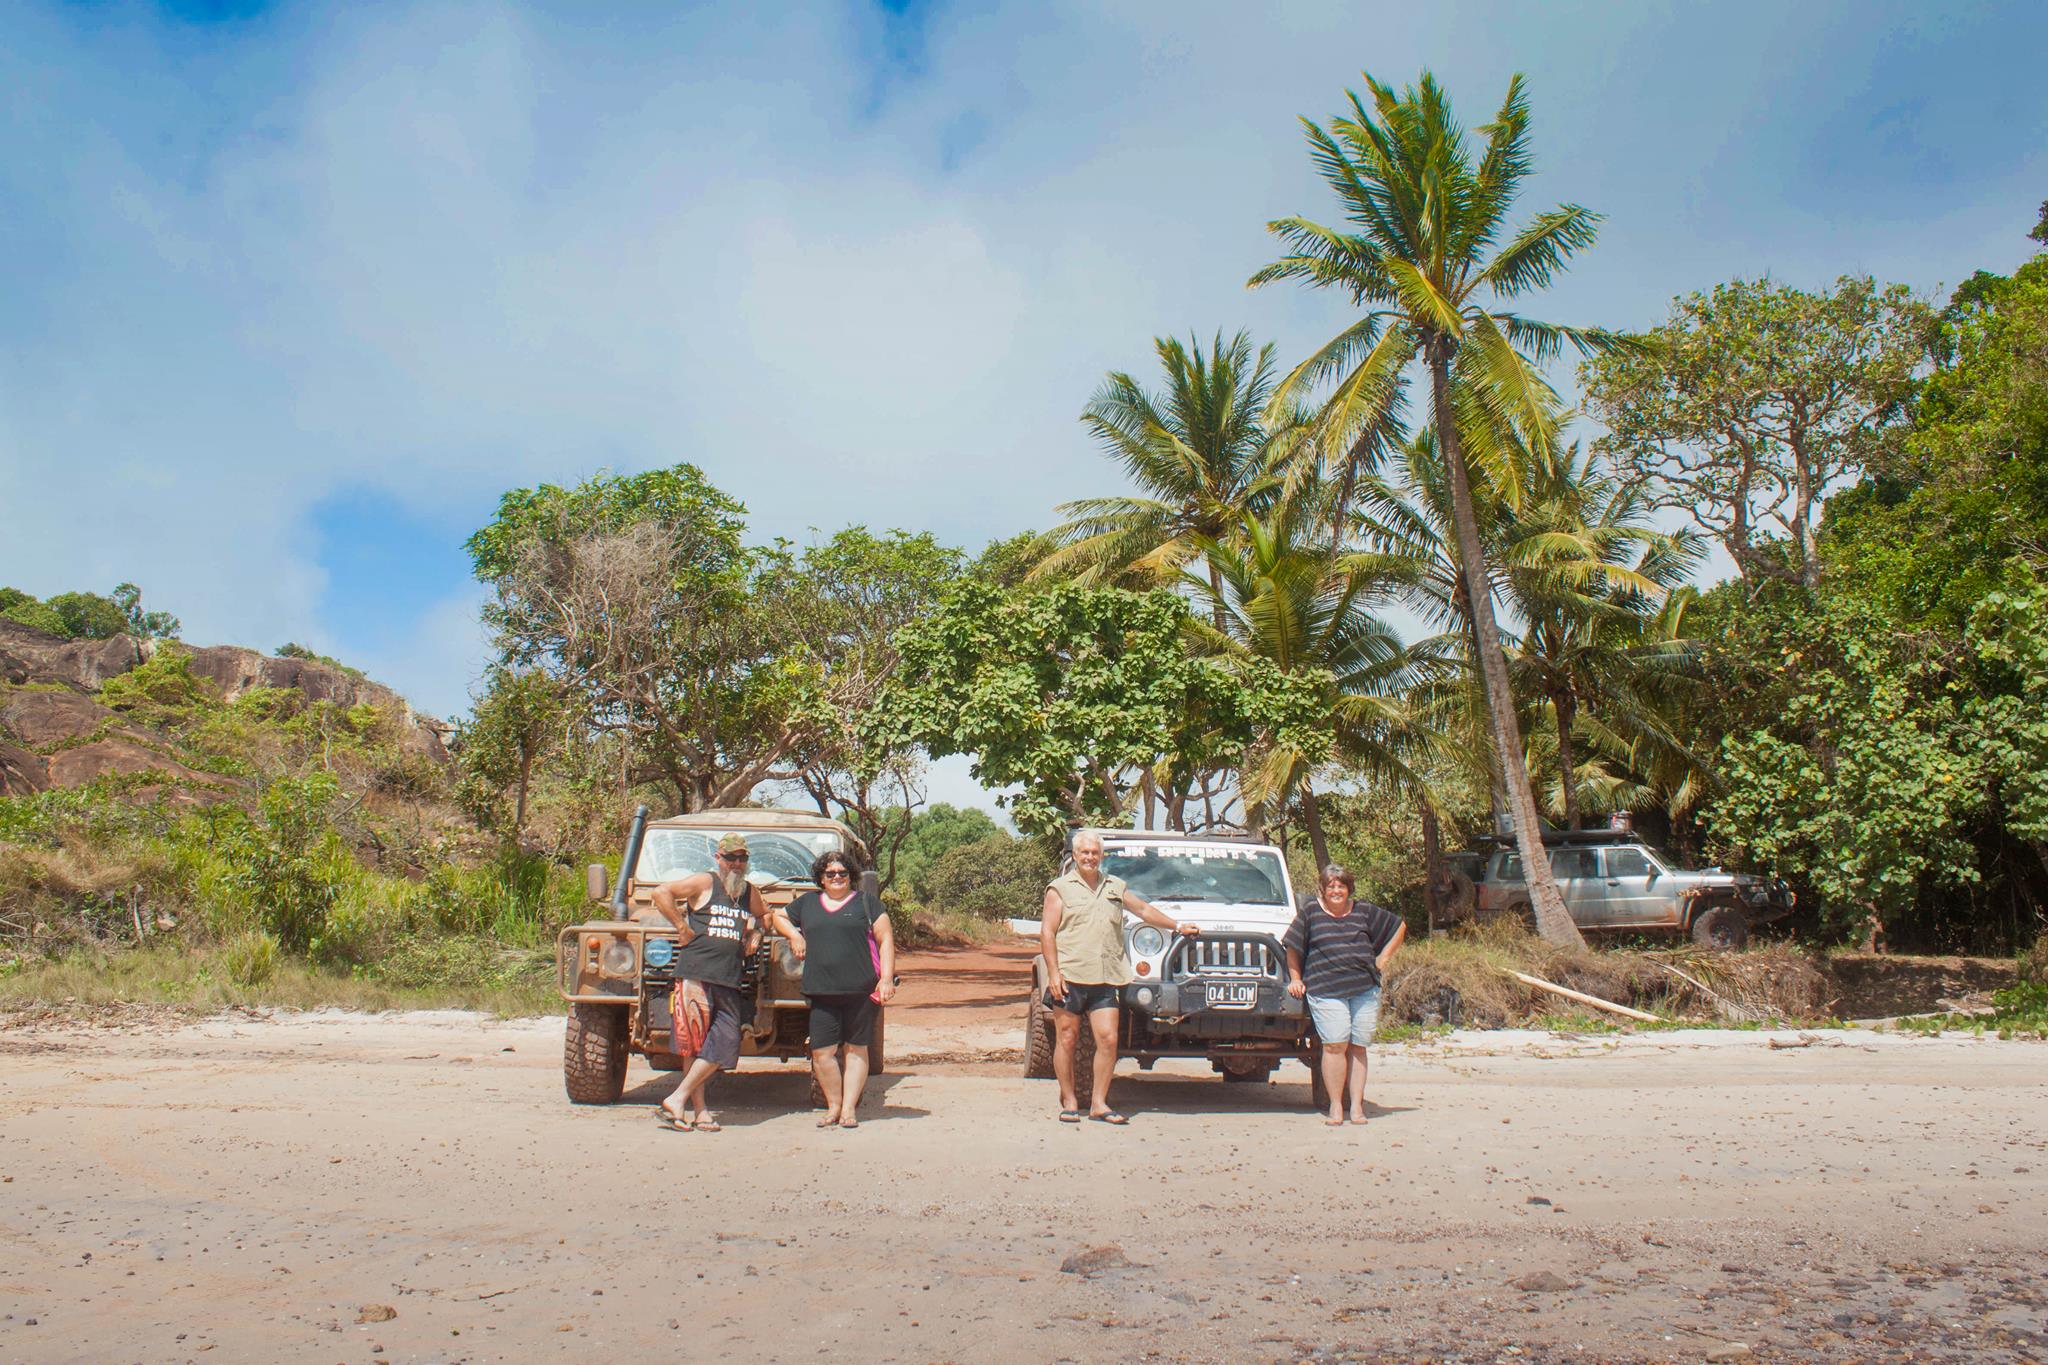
1247 955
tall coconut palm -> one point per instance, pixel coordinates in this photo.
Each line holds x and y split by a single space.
1419 257
1200 451
1600 596
1283 590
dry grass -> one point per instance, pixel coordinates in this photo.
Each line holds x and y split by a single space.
1774 982
236 976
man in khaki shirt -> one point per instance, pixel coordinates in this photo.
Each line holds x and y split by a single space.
1081 935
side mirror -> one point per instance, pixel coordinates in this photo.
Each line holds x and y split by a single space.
597 881
871 883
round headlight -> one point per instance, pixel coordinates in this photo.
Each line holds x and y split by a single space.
1147 941
617 958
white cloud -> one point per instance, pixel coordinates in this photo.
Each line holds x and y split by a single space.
439 250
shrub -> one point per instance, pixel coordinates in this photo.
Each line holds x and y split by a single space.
2034 964
30 612
89 616
291 863
251 959
996 877
159 691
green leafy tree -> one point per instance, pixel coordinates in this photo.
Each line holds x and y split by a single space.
638 597
933 832
1862 782
88 616
997 876
1755 402
850 598
23 609
1073 694
147 625
1422 253
519 720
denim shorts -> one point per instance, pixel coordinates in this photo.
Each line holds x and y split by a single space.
1341 1020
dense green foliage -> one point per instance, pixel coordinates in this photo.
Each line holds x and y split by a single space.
88 615
1076 695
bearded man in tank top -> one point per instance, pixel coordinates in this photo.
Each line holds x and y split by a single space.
718 918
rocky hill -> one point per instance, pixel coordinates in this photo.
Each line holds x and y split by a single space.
59 727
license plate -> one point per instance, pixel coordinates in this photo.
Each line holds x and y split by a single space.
1231 995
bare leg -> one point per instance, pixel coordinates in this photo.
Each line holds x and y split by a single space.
856 1081
1066 1027
1334 1056
825 1069
1355 1083
689 1096
1102 1023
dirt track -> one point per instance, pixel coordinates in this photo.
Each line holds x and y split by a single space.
244 1189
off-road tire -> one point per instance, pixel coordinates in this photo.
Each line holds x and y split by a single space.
1084 1062
1037 1040
876 1056
594 1054
1318 1091
1721 928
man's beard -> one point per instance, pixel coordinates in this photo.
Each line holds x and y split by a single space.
735 883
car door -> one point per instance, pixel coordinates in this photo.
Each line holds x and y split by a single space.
1634 899
1579 882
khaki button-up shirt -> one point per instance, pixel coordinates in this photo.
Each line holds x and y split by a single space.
1090 938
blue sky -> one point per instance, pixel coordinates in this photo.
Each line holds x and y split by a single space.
290 293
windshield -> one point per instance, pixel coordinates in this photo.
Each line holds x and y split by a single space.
783 856
1200 872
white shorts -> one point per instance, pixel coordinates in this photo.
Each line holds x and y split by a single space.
1341 1020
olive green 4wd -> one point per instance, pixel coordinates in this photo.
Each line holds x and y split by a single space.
614 972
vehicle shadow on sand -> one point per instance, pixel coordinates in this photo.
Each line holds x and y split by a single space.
1154 1094
744 1099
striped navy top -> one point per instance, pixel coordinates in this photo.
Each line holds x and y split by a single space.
1339 953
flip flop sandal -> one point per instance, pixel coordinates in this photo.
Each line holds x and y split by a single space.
849 1123
829 1121
706 1125
1070 1116
675 1123
1112 1118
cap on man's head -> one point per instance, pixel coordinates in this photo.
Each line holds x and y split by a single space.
732 843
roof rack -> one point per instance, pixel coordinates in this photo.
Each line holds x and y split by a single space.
1161 835
1554 837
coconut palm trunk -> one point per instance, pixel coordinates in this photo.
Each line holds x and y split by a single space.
1553 920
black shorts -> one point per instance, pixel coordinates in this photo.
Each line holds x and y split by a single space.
837 1019
1085 999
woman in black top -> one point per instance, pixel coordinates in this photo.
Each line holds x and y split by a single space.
1337 952
845 979
717 918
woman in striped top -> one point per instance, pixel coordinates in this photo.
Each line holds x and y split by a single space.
1337 953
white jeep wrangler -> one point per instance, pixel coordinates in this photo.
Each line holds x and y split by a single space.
1221 996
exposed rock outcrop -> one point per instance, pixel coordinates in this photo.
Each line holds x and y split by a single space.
118 756
29 655
236 671
40 719
21 772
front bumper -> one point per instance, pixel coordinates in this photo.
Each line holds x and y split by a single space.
1166 1000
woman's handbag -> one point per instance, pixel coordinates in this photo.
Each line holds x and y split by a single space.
689 1009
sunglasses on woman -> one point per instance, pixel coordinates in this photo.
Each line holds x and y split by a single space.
834 873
